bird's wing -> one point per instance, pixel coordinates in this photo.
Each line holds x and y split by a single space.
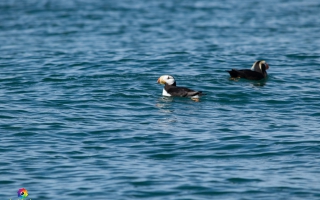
183 92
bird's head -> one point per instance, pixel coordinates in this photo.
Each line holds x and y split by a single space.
166 79
260 66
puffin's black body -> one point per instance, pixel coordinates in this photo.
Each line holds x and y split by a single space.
173 90
247 73
257 72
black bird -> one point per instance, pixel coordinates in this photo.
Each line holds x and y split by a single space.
258 71
171 89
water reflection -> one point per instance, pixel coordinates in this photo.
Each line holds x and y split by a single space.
259 83
164 104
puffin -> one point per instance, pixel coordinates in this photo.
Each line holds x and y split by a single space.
171 90
258 71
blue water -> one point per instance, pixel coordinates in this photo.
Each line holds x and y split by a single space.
81 115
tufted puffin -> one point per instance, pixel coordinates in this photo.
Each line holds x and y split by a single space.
258 71
170 88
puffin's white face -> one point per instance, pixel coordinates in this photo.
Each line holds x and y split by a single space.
257 66
166 79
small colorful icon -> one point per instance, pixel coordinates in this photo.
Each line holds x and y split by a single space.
22 193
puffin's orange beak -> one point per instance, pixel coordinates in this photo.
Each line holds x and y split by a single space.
160 80
267 66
